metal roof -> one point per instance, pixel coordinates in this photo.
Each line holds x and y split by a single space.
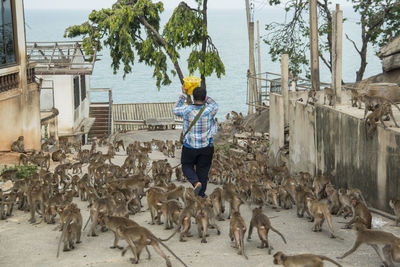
60 58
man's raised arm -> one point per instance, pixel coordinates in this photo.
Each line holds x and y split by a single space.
179 109
212 106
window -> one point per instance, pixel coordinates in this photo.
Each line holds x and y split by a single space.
7 48
76 91
83 87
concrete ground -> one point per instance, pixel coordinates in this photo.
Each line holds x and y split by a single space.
23 244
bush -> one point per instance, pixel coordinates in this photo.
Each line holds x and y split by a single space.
23 171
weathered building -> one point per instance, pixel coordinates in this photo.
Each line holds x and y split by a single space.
65 71
19 94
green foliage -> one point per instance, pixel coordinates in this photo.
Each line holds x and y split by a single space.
380 21
131 30
23 171
293 37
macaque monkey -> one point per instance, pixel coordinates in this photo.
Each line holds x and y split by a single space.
391 253
35 195
382 110
333 199
205 216
104 205
355 99
300 197
18 146
345 203
373 238
218 203
302 260
58 156
71 232
113 222
119 143
330 95
179 174
319 213
261 221
139 237
361 214
272 198
24 159
154 200
237 231
184 221
312 94
395 205
76 167
372 102
319 185
170 210
257 194
284 198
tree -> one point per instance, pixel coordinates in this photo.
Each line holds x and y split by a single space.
379 21
293 37
131 30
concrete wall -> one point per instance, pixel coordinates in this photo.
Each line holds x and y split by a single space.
371 164
19 107
20 116
276 130
302 144
334 141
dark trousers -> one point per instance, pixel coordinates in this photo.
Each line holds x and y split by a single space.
196 164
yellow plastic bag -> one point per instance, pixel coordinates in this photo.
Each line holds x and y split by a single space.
191 83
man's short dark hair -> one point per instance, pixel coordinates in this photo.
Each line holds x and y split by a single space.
199 93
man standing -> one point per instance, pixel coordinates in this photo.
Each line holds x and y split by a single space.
197 149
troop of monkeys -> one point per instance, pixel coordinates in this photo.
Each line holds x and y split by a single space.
114 192
380 106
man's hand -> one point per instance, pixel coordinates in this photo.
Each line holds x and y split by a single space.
184 90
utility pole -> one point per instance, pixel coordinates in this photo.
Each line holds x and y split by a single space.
252 66
259 63
314 46
337 34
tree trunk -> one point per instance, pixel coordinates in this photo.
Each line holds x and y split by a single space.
204 43
163 43
363 54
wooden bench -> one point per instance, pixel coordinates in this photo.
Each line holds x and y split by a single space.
160 123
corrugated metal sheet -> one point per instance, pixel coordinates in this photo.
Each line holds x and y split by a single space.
133 116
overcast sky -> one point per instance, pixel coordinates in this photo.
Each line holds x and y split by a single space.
168 4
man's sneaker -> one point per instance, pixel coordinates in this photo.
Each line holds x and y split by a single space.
197 189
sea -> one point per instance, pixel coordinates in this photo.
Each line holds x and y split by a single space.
228 30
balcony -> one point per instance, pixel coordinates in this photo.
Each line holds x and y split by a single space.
10 81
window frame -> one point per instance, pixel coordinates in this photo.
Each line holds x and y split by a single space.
14 34
76 88
83 87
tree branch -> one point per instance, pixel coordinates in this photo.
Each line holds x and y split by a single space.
164 44
354 44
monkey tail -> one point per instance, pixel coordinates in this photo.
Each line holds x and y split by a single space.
63 235
170 251
171 236
241 235
276 231
87 222
328 259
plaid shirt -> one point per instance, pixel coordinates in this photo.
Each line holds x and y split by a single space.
202 132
